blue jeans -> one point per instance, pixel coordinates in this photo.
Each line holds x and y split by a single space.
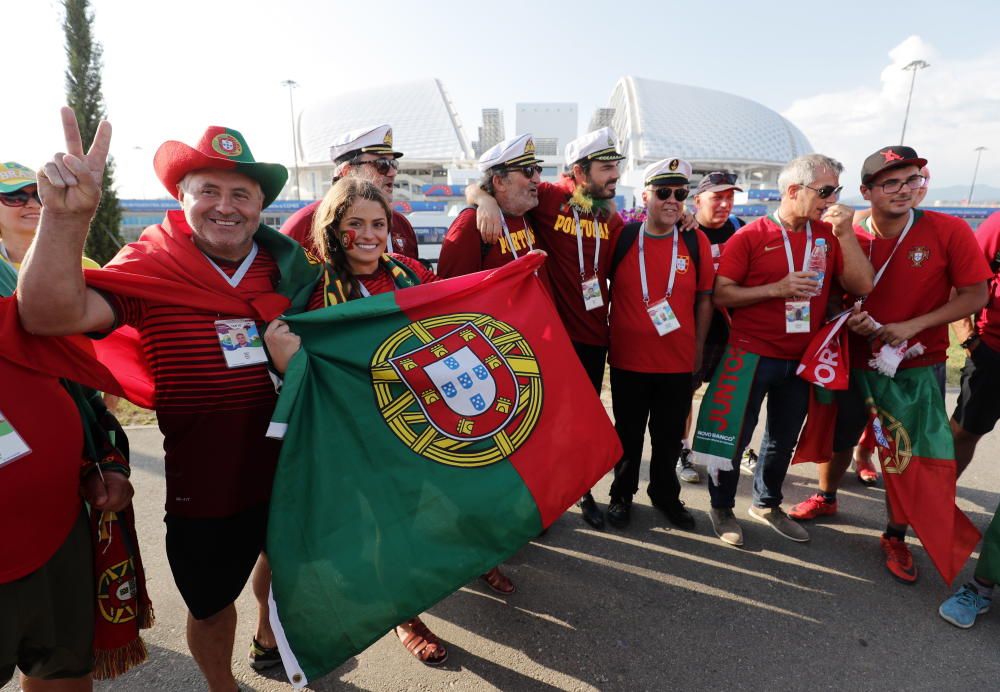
787 404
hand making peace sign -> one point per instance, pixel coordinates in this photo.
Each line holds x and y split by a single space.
70 184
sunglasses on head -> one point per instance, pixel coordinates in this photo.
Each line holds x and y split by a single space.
381 165
719 178
19 198
826 190
678 193
529 172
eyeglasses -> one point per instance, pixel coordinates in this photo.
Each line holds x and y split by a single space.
529 172
19 198
678 193
894 185
826 190
381 165
719 178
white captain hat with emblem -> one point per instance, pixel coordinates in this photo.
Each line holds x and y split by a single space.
510 153
366 140
669 171
599 145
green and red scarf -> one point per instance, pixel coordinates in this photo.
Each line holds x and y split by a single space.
334 290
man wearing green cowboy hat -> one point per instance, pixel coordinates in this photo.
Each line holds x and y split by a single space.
213 252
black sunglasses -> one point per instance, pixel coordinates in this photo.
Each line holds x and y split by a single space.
529 172
826 190
664 193
381 165
19 198
719 178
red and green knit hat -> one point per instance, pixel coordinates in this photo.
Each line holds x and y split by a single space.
220 148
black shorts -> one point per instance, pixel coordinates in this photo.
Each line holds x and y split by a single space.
47 617
211 559
978 407
852 416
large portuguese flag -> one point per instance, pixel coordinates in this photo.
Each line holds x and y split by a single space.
429 433
918 462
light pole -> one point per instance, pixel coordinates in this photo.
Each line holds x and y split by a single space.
979 154
913 67
291 84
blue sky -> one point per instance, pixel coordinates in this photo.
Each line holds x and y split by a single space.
173 68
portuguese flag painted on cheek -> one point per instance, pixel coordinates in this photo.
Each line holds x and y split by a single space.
429 433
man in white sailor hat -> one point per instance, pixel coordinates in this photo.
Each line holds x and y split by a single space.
661 305
511 176
574 222
366 152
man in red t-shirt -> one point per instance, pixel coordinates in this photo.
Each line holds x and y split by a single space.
213 404
661 308
511 176
574 222
921 257
368 153
777 306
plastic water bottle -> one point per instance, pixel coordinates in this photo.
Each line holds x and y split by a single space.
817 263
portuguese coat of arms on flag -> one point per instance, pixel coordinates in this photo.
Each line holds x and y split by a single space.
429 433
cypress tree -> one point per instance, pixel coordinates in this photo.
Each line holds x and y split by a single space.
83 95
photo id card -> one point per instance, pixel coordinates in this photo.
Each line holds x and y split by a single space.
241 343
663 317
12 445
592 297
796 316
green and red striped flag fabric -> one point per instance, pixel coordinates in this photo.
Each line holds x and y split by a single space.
988 567
429 433
917 452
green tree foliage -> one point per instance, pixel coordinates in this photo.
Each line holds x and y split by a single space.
83 95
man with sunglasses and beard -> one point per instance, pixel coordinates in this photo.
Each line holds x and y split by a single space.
574 222
777 305
367 153
921 257
661 307
511 175
713 203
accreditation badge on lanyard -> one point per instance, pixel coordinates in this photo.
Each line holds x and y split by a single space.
660 313
238 337
12 445
591 288
797 311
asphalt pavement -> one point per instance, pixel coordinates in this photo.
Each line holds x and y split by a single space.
649 607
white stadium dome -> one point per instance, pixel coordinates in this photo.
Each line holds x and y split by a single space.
425 126
710 129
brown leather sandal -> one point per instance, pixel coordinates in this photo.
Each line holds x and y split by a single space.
499 582
422 643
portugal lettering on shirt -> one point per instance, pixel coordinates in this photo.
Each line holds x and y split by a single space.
567 224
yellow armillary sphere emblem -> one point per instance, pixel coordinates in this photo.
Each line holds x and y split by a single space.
462 389
901 445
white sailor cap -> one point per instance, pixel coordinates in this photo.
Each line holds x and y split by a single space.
599 145
367 140
510 153
669 171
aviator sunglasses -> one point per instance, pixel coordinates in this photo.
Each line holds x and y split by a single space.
664 193
718 178
826 190
19 198
528 172
381 165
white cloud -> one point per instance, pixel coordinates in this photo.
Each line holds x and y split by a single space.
955 108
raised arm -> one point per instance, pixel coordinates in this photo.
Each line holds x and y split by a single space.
487 213
858 275
52 296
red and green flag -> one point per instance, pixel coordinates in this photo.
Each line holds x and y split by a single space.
988 567
918 463
429 433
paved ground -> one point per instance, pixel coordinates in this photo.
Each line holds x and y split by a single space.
650 608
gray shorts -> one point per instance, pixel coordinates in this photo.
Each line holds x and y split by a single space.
47 627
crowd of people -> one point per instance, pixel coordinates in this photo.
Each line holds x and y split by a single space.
669 300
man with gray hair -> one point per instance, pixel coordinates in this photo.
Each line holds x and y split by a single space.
777 306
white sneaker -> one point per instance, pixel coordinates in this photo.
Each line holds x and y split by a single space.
688 473
748 464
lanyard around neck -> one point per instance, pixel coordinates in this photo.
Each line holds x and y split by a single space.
788 244
241 271
642 264
899 241
579 243
527 238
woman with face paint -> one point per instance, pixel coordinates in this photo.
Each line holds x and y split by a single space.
350 232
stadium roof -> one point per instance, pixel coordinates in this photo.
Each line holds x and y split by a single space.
424 123
655 120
